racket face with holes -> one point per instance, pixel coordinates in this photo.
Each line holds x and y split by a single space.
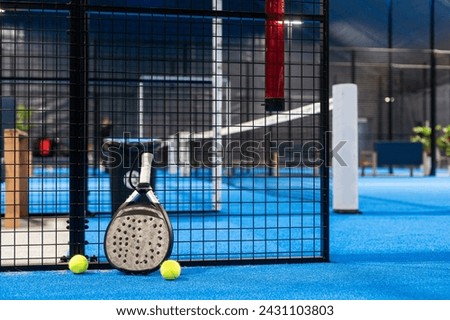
139 238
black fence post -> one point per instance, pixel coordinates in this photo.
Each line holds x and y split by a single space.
78 127
432 91
325 135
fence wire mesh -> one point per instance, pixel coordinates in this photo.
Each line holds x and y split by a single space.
87 85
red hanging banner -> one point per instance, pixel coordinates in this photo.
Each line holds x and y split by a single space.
274 96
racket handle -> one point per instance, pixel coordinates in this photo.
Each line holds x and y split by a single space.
146 168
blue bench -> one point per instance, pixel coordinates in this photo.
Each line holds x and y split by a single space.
399 153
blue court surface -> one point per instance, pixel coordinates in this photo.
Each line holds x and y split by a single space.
398 248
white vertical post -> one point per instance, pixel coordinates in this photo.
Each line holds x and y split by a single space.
217 97
184 153
345 148
172 154
141 110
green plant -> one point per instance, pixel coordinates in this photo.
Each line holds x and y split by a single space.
422 134
443 141
23 117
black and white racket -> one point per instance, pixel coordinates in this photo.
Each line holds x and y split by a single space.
139 237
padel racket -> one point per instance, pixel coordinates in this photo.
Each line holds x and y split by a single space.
139 236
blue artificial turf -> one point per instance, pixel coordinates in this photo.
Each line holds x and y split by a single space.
398 248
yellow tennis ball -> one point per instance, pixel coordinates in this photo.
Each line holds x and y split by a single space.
170 269
78 264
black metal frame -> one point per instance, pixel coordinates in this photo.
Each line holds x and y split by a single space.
78 126
79 81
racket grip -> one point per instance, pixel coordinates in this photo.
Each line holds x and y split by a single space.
146 168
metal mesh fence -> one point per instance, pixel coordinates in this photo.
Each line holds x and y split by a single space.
86 86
